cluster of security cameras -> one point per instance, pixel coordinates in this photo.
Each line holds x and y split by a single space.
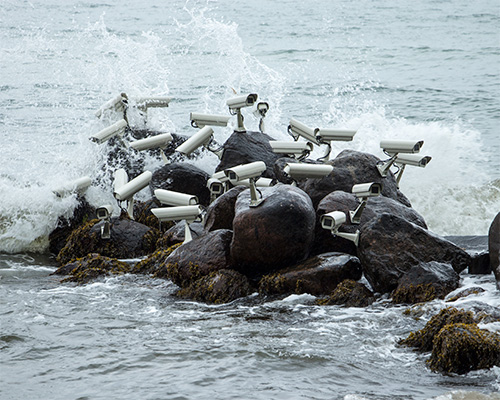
184 207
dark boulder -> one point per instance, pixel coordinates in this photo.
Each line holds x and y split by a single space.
480 264
129 239
82 213
425 282
319 275
220 213
247 147
494 248
184 178
218 287
461 348
154 262
197 258
176 234
349 293
278 167
389 246
276 234
350 168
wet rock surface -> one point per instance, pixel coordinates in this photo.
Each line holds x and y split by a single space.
494 248
220 213
349 293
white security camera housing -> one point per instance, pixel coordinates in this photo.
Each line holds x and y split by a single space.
188 214
199 120
143 103
117 103
298 171
171 198
104 214
121 178
332 222
331 135
415 160
300 149
126 192
363 191
235 105
118 128
297 129
216 188
393 148
200 138
260 111
249 171
158 141
79 186
260 182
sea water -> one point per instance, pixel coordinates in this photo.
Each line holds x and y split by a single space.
426 70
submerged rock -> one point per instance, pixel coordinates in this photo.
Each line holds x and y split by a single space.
276 234
494 248
319 275
426 282
349 293
390 246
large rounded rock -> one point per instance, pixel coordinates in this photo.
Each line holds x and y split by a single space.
350 168
184 178
426 282
247 147
319 275
349 293
276 234
220 213
129 239
176 234
494 248
389 246
341 201
197 258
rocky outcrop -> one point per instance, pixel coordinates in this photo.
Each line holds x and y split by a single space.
350 168
197 258
390 246
184 178
247 147
154 262
426 282
276 234
220 213
176 234
129 239
319 275
218 287
349 293
494 248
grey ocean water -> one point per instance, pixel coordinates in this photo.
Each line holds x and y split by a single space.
426 70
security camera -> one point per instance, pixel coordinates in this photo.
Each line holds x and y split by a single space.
249 171
158 141
79 186
189 214
297 129
126 191
415 160
117 103
299 150
260 111
199 120
171 198
363 191
201 138
332 222
237 103
298 171
216 188
143 103
118 128
326 136
260 182
121 178
393 148
104 214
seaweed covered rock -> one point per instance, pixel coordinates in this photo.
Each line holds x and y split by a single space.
177 233
319 275
423 339
389 246
86 269
276 234
220 213
247 147
494 248
350 168
426 282
465 292
349 293
82 213
218 287
184 178
154 262
129 239
197 258
460 348
143 214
